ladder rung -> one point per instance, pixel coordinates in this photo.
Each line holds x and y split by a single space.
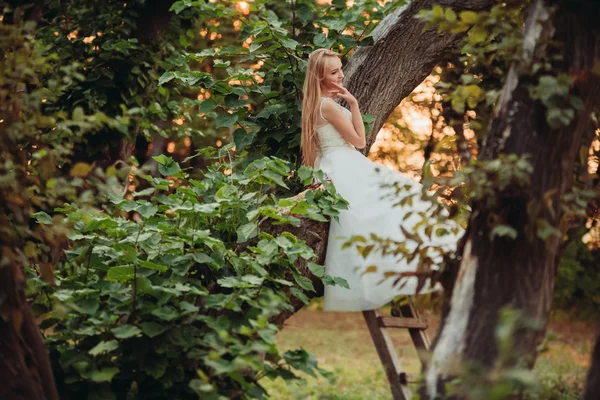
397 322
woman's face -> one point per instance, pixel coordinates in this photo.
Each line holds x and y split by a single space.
333 75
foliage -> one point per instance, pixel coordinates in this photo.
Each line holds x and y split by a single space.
466 91
469 85
253 94
118 70
164 303
35 143
578 279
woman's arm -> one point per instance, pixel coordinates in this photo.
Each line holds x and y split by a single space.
352 131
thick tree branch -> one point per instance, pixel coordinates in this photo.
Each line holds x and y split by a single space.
383 74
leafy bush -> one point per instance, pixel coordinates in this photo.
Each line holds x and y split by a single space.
165 303
578 277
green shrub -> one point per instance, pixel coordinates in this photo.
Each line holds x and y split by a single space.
163 303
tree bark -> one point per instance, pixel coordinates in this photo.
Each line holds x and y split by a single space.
381 75
592 387
24 365
501 272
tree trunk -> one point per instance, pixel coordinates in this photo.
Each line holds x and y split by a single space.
24 365
520 273
592 389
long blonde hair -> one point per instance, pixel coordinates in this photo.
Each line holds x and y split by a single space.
315 73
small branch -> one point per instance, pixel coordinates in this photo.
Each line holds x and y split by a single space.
135 271
89 262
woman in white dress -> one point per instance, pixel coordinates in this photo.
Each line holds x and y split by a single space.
330 136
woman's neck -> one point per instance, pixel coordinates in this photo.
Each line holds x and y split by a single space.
326 93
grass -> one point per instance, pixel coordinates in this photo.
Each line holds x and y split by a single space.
342 345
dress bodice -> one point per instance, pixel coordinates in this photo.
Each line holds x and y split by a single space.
329 137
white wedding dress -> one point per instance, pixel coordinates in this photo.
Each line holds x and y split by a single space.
362 183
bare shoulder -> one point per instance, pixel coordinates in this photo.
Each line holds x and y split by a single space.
330 107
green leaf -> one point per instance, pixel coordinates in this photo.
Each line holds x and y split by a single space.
166 165
450 15
145 192
208 105
246 232
346 40
503 230
162 159
166 313
166 77
89 305
156 368
316 269
42 218
275 177
305 13
321 40
305 174
63 294
304 282
147 210
289 43
169 169
152 329
470 17
477 34
367 41
216 300
103 347
335 24
335 281
437 11
299 295
241 138
125 331
103 375
246 281
226 120
121 273
151 265
81 170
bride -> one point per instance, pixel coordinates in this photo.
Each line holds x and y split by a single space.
330 136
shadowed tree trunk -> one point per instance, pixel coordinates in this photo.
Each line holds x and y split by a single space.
24 365
592 389
520 273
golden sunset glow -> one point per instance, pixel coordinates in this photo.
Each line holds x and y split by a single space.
243 7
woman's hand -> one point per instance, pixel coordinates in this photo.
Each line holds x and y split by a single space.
343 93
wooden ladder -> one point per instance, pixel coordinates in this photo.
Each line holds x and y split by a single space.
378 327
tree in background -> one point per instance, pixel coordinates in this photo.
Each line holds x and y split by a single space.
543 119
